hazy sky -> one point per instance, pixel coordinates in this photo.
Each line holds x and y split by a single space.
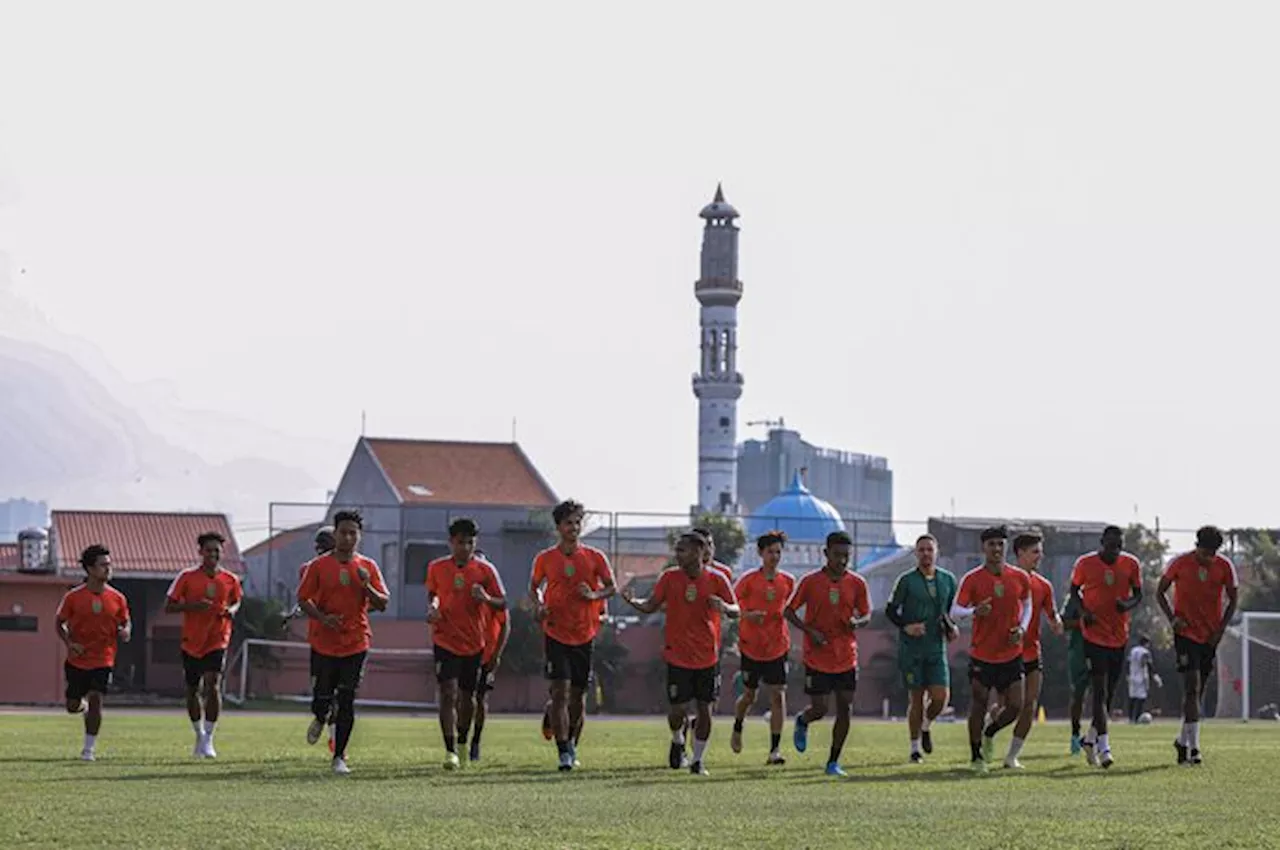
1028 253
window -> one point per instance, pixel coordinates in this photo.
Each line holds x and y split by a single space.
416 558
724 421
723 353
19 623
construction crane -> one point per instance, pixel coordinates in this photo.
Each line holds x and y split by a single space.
768 423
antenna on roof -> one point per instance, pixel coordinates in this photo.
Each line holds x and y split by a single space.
513 429
362 423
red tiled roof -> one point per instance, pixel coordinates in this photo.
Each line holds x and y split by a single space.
8 556
438 471
635 566
282 539
150 543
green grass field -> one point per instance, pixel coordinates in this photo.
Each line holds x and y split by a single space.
269 789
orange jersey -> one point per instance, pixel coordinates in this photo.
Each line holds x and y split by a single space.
1041 603
209 630
571 619
1198 593
1102 585
829 604
722 570
93 620
335 588
692 630
1006 593
461 626
493 623
756 592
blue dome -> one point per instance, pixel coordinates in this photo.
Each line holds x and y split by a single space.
802 515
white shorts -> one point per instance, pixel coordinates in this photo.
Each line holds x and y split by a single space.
1137 691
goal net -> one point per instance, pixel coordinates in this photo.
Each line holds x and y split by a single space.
1249 668
278 670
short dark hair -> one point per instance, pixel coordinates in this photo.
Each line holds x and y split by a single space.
325 533
210 537
566 509
837 537
463 527
693 537
995 532
90 556
1144 639
1026 539
1209 537
1113 531
348 516
926 536
770 537
703 530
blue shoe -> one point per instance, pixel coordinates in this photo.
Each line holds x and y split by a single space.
800 738
1076 746
834 769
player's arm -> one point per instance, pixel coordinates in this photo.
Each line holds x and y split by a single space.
1051 612
724 601
792 613
490 591
124 623
503 637
861 608
646 606
536 580
236 597
962 608
1124 606
173 603
307 590
607 588
1076 593
1024 619
375 590
1233 599
893 609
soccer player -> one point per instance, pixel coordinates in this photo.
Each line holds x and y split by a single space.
694 598
764 640
208 597
1028 552
337 591
920 607
836 603
1108 584
1199 580
323 543
577 578
90 619
497 632
998 597
1140 674
709 555
1077 668
459 589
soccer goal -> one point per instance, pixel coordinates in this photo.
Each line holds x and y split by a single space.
280 670
1249 668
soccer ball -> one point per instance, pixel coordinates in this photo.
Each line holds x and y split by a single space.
1144 717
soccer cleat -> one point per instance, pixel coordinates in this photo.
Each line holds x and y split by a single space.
834 769
451 761
1195 759
917 758
988 749
926 741
314 730
566 761
1076 745
87 755
800 737
1181 749
547 732
735 741
675 756
209 751
474 753
1105 759
1090 754
698 770
340 767
197 752
332 736
978 766
775 758
1014 764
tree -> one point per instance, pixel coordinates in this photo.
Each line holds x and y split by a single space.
1258 558
1151 551
726 531
262 619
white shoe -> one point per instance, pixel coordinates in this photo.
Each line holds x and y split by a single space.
451 761
1014 764
314 730
1105 760
87 755
1091 754
197 752
340 767
208 750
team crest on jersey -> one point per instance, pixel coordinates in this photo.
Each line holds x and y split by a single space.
97 606
458 581
344 578
210 590
910 677
999 590
690 593
833 596
1204 574
933 590
569 570
770 595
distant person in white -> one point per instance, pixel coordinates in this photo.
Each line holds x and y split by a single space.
1140 675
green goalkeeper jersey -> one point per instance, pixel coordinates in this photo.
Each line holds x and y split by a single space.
924 600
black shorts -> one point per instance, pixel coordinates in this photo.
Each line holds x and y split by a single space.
194 668
999 676
1104 661
684 684
81 682
463 669
772 672
331 673
818 683
1194 656
1030 666
565 661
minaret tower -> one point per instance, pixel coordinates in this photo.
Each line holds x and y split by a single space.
718 384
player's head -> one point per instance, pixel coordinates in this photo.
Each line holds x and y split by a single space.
209 545
325 540
462 539
709 552
690 549
838 551
96 561
1208 541
993 541
1111 543
568 516
347 526
926 551
1144 641
1028 549
770 545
